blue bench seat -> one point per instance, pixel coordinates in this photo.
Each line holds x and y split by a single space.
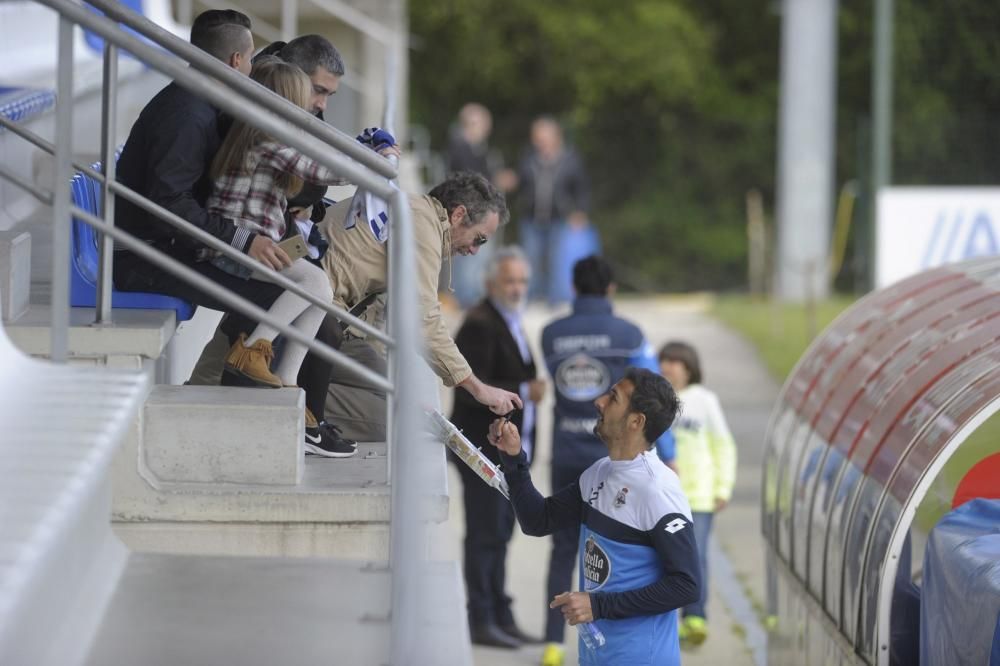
84 260
21 104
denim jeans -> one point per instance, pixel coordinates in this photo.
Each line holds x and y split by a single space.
702 532
552 249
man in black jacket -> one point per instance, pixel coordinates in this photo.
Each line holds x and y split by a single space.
493 342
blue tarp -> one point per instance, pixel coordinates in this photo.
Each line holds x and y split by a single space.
960 600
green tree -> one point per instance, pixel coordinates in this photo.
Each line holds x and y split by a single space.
673 104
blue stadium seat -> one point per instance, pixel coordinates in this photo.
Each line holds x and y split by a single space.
84 259
21 104
96 42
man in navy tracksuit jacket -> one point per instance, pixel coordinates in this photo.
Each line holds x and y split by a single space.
638 558
585 353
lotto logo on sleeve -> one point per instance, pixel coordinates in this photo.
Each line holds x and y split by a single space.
675 525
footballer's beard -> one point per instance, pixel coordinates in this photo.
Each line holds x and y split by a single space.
598 433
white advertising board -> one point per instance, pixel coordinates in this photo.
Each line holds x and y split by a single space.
923 227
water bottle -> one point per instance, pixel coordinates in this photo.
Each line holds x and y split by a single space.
591 635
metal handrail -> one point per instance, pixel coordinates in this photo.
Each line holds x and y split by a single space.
190 229
207 64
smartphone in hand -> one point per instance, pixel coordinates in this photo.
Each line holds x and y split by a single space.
295 247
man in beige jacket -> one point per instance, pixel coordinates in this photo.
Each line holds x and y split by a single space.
457 217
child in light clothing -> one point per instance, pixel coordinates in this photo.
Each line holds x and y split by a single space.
705 462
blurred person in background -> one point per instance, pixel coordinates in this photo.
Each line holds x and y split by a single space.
554 200
492 340
705 462
469 150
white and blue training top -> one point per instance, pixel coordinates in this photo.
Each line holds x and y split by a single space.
638 558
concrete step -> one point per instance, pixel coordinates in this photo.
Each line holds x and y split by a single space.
172 609
214 434
172 497
137 340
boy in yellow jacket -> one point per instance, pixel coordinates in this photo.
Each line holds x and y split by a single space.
705 462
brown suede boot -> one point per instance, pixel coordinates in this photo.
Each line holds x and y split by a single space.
251 366
311 421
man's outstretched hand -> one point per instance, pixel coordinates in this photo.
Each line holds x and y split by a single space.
498 400
504 436
575 606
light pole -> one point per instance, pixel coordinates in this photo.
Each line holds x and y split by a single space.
806 147
882 47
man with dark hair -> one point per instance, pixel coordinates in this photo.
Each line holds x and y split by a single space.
458 216
638 560
224 34
166 160
319 59
592 276
585 353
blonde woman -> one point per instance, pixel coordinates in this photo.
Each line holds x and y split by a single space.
253 178
705 460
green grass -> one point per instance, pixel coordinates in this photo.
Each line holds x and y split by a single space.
781 332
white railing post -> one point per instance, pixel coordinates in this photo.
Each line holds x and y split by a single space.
412 459
289 20
61 220
185 11
109 115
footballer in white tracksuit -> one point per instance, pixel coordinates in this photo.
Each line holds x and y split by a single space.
638 557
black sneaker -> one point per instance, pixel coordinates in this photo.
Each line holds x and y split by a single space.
337 432
323 441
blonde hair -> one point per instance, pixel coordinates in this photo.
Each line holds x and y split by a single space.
235 154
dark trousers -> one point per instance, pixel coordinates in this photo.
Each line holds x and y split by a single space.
132 273
315 373
489 525
564 549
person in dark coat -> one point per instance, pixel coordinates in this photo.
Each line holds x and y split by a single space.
493 341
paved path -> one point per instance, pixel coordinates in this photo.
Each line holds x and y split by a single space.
732 370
